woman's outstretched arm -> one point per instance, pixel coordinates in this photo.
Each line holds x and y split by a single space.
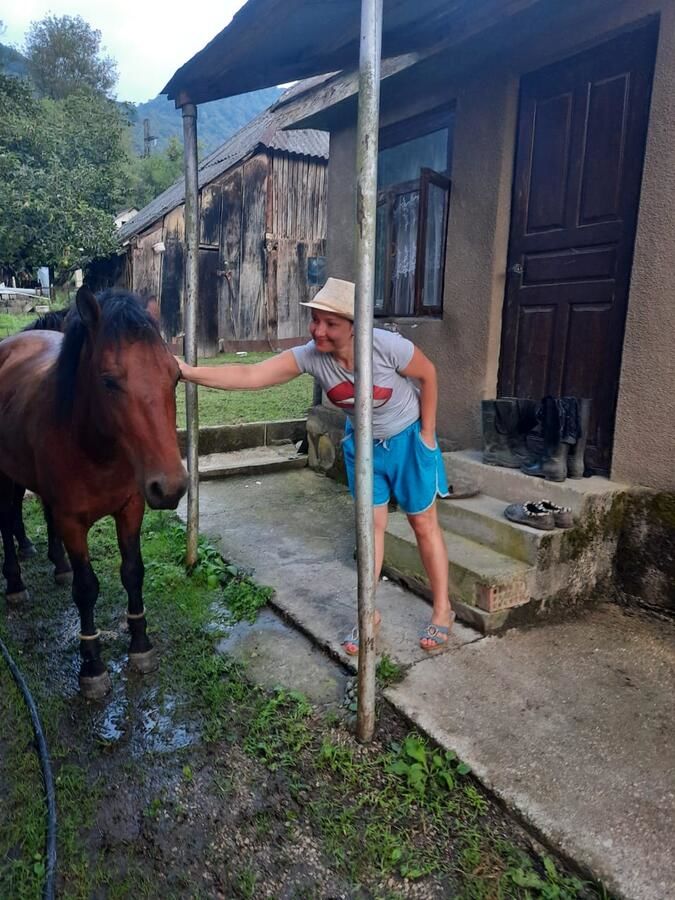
277 370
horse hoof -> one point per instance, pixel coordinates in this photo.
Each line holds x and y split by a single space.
144 662
26 551
95 687
63 577
18 598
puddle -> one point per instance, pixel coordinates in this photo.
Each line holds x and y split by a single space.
275 653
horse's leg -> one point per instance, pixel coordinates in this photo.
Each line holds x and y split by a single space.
63 574
94 678
128 521
16 589
26 546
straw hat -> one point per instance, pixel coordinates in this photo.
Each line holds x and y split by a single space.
336 296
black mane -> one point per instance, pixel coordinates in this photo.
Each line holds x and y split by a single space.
50 321
122 318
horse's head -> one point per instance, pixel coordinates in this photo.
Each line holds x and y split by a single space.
124 379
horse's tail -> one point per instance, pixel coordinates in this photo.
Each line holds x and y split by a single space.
51 321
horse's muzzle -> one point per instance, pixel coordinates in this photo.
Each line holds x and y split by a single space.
164 491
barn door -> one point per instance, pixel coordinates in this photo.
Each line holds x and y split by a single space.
580 146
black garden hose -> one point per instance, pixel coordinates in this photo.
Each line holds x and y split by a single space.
47 777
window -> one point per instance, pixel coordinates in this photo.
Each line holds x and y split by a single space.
412 213
316 270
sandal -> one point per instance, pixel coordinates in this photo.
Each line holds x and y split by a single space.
352 639
439 634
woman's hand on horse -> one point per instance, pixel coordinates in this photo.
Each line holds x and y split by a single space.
183 368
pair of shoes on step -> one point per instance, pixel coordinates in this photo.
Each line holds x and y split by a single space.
540 514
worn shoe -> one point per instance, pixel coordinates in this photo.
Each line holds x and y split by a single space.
562 515
530 514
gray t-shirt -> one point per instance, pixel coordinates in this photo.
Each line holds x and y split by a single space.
396 402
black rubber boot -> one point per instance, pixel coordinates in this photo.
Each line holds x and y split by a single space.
552 461
575 460
552 465
500 423
506 423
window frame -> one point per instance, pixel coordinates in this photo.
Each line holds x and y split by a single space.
392 136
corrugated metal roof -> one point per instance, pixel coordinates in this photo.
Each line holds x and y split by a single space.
263 131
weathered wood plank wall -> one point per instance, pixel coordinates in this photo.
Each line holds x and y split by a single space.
146 264
259 225
298 233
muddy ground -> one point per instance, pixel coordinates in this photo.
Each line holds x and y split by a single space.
195 781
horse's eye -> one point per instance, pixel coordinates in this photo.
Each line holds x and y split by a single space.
110 383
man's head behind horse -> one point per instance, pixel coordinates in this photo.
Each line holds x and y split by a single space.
116 384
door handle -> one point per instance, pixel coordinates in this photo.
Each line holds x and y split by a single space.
516 269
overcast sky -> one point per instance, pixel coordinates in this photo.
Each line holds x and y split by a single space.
148 38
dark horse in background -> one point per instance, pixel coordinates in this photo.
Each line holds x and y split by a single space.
52 321
88 422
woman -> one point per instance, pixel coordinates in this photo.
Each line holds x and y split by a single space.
407 461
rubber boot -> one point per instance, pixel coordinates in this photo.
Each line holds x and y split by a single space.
500 426
552 465
527 422
552 462
575 458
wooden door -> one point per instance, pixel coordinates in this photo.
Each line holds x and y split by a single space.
580 145
207 318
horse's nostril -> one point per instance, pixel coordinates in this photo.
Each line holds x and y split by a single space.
156 490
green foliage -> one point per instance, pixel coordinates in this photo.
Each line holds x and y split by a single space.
64 168
153 174
425 770
63 55
387 671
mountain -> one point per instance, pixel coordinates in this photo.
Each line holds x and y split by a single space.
216 121
12 62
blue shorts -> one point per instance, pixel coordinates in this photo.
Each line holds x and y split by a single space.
403 468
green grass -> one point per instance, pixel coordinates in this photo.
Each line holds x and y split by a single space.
286 401
12 322
399 808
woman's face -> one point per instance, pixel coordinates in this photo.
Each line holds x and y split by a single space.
330 332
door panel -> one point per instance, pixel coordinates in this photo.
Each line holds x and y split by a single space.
580 145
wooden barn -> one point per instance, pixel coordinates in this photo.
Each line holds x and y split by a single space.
261 245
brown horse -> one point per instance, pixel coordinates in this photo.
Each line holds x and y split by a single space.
88 422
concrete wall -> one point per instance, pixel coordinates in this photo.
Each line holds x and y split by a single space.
644 442
465 344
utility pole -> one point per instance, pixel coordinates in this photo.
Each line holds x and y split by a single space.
366 210
148 139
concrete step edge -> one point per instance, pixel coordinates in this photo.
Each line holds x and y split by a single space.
259 467
481 519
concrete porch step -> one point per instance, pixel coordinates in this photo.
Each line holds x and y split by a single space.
251 461
482 519
489 584
514 486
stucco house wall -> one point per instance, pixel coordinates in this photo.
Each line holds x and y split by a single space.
465 343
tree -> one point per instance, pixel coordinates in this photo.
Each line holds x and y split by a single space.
155 173
64 168
64 55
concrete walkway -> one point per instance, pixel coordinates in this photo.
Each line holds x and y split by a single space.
572 725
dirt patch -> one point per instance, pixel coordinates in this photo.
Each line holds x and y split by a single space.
196 781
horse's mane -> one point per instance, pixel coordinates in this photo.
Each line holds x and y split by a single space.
51 321
122 318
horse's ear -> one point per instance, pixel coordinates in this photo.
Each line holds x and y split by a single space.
88 308
152 308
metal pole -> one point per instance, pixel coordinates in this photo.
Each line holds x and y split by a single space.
366 206
189 111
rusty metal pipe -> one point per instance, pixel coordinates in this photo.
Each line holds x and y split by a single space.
189 111
366 209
